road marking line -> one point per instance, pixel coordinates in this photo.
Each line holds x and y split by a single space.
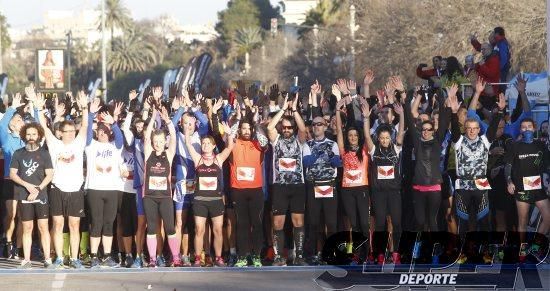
59 281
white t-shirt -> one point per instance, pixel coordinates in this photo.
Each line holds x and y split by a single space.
68 164
103 166
128 165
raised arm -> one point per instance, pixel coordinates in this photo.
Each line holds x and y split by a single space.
369 77
42 119
455 126
171 151
365 110
147 147
272 126
339 126
82 102
229 145
492 130
480 86
398 108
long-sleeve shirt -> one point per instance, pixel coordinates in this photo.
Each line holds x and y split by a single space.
10 141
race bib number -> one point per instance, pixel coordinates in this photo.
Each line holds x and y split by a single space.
353 176
482 184
208 183
532 183
324 191
158 183
386 172
245 174
287 165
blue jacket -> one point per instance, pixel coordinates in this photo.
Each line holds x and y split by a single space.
10 141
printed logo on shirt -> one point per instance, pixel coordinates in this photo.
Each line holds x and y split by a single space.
482 184
532 183
104 154
31 167
245 173
208 183
158 169
66 158
324 191
386 172
287 165
353 176
158 183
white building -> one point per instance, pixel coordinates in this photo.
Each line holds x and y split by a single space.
83 24
294 11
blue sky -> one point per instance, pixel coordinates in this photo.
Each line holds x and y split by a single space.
22 14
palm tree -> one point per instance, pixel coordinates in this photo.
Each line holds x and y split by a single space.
116 16
246 39
325 13
131 53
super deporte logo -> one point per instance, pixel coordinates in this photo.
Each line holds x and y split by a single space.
436 259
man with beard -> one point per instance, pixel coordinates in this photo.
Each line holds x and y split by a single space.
31 171
246 190
288 179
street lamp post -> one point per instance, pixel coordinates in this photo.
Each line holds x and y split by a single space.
352 34
103 53
69 39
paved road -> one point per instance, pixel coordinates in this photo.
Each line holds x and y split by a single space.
266 278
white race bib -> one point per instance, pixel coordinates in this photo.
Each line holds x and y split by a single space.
208 183
532 183
482 184
245 174
353 176
287 165
158 183
386 172
324 191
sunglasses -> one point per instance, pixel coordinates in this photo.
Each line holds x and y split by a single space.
287 127
318 124
427 129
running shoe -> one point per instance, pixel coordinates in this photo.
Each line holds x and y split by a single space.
208 261
256 261
279 261
232 260
176 262
270 254
198 262
138 263
129 261
160 261
109 262
381 259
462 259
523 251
299 261
152 264
185 262
241 262
25 265
15 253
85 259
58 264
314 261
95 263
66 260
76 264
48 264
354 260
219 262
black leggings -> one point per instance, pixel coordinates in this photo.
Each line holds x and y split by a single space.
472 208
159 207
249 208
315 206
103 208
426 207
357 205
128 214
381 202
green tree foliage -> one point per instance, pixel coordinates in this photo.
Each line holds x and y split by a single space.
131 53
326 13
116 16
6 40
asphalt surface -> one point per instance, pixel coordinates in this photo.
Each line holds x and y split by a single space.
265 278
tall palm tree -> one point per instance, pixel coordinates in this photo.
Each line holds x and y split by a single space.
116 16
246 39
325 13
131 53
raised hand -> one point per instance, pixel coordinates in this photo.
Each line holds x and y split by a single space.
39 102
315 88
352 87
177 102
341 104
241 89
252 91
190 91
16 102
164 114
30 92
365 110
107 118
81 99
342 86
94 106
480 84
172 90
501 101
285 103
521 83
218 103
117 110
274 92
389 90
157 93
60 110
336 92
451 91
452 102
398 108
226 128
132 95
295 103
397 83
369 77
